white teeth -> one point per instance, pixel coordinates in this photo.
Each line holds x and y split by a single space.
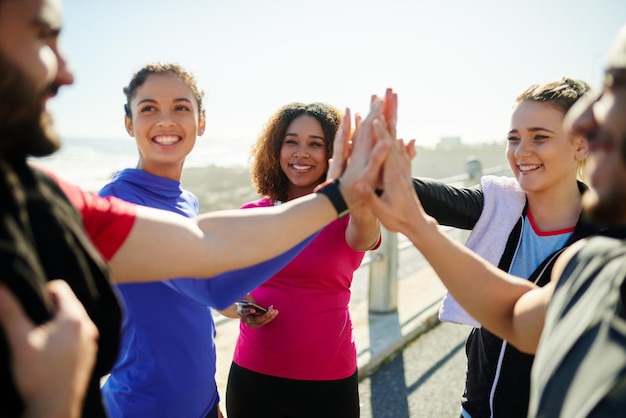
301 167
529 167
165 140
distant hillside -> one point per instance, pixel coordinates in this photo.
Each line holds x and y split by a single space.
219 187
229 187
446 162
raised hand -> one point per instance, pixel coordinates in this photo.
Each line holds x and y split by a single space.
390 111
341 147
365 159
398 208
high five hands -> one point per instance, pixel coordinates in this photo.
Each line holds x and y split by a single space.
393 200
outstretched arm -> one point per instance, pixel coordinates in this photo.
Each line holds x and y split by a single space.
161 245
510 307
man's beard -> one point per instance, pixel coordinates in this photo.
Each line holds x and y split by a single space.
25 128
608 211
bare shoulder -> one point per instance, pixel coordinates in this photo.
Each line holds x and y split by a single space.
564 258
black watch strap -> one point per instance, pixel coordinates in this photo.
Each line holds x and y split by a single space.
331 191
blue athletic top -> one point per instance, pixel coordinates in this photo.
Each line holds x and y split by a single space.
166 366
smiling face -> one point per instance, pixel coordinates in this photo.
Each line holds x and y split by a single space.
303 155
165 121
602 119
541 155
32 69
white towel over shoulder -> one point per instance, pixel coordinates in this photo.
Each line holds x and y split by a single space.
504 201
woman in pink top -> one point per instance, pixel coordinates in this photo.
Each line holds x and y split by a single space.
299 359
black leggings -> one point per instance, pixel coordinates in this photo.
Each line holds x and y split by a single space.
213 412
255 395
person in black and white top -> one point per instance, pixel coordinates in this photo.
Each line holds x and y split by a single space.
576 323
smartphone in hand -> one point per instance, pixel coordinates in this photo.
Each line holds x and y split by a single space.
244 304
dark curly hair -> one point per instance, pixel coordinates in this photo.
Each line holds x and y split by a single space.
267 176
141 76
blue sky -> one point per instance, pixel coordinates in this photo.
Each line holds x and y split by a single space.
457 65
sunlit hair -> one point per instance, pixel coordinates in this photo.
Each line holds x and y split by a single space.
562 95
142 75
267 175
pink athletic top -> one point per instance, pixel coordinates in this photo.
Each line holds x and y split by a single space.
311 338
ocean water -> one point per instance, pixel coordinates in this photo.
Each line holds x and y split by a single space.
90 163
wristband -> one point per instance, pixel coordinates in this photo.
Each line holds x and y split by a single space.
332 192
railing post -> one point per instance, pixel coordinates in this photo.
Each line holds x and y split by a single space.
383 275
474 170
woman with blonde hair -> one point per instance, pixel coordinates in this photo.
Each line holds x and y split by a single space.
519 224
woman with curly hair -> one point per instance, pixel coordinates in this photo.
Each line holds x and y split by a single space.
283 361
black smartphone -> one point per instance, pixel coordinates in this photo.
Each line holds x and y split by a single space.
247 304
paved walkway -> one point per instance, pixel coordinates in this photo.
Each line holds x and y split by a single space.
377 336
